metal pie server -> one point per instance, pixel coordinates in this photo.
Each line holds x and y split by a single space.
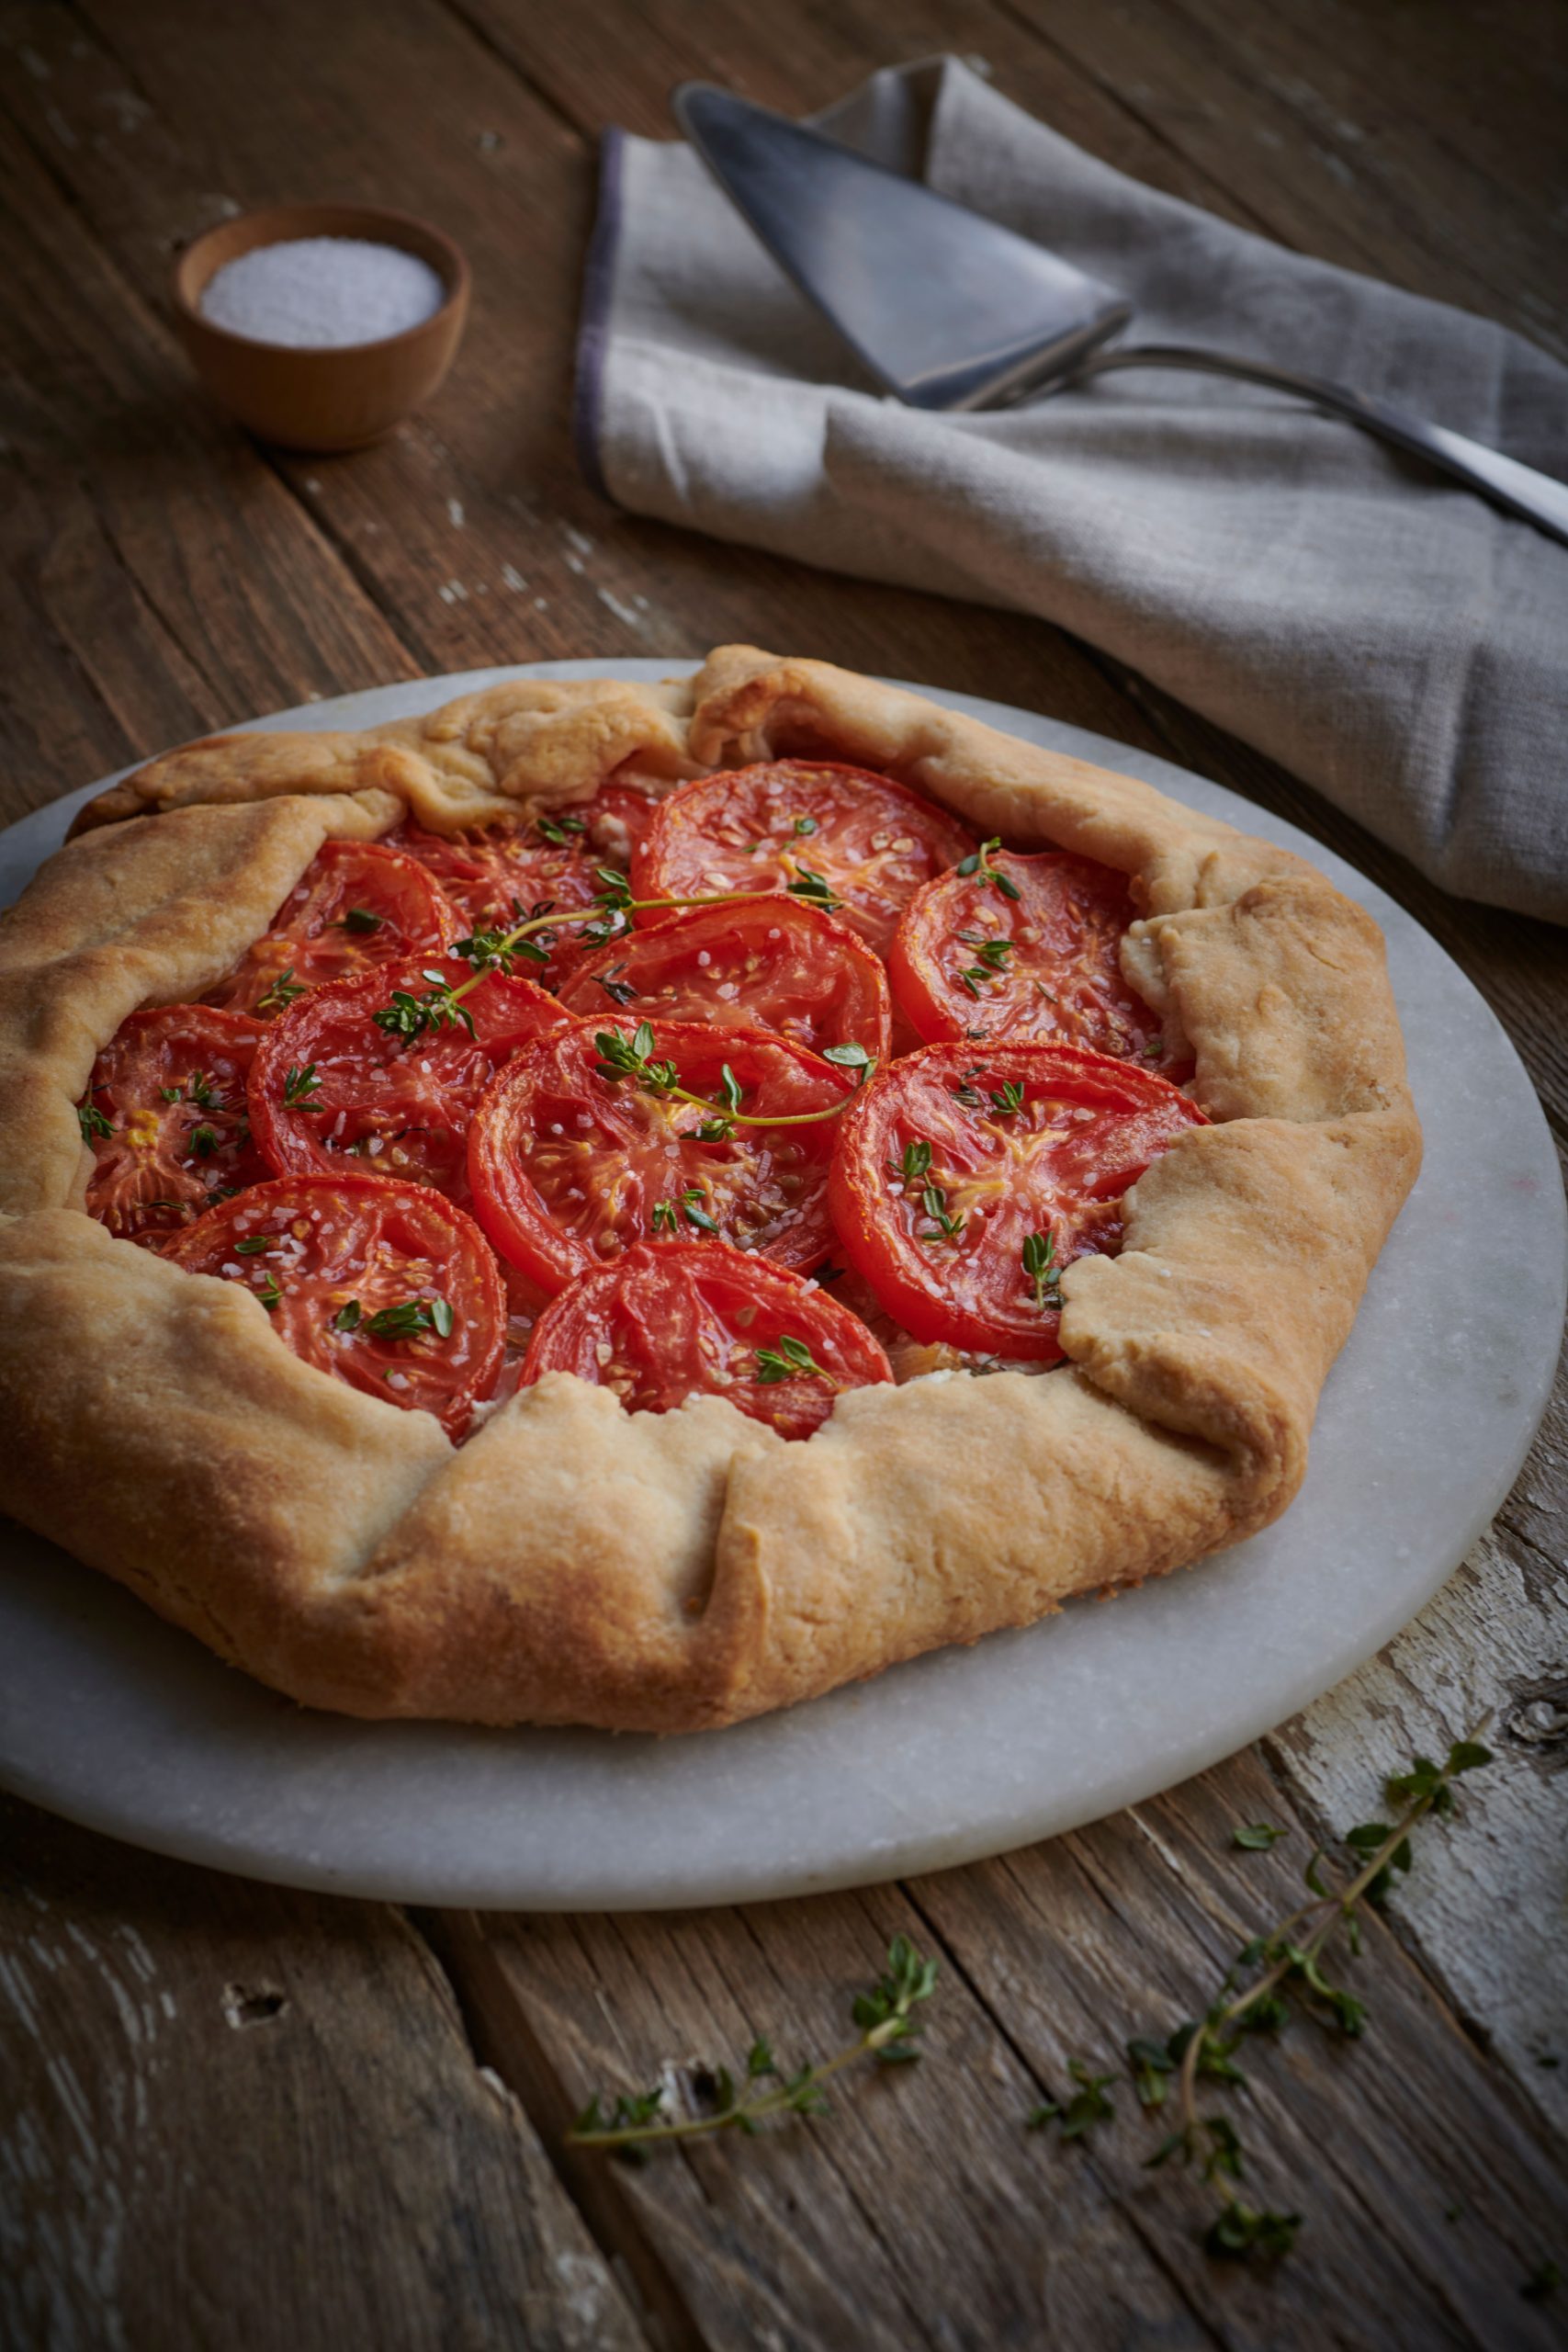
952 312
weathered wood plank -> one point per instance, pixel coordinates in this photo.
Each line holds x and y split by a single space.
1486 1912
234 2115
470 529
1317 119
910 2216
957 2227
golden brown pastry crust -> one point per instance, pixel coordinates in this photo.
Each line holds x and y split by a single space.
576 1563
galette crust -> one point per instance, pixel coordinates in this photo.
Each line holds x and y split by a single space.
576 1563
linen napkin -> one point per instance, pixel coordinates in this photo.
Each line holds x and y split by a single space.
1388 636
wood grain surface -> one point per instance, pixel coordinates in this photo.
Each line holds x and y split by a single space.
234 2116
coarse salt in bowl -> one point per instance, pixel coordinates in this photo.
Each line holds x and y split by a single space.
319 293
321 326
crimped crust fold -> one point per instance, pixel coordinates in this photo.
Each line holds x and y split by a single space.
575 1563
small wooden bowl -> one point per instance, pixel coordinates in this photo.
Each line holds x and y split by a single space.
336 399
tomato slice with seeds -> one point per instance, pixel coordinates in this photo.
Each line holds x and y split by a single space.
165 1115
328 1079
763 964
490 871
385 1286
965 1180
776 825
358 904
674 1319
569 1167
1036 959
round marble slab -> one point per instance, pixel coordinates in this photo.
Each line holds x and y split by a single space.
112 1717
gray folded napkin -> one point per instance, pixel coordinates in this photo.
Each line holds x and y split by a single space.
1389 636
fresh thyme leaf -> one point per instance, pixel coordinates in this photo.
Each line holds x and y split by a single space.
664 1217
979 864
805 824
1225 2156
300 1088
269 1292
409 1017
1080 2113
1256 1836
990 960
1151 2062
814 886
360 919
407 1319
760 2061
692 1210
915 1163
172 1093
1313 1875
619 991
944 1227
203 1091
791 1360
1241 2229
282 993
253 1245
730 1087
348 1317
204 1141
560 829
853 1057
91 1121
1039 1258
441 1316
1008 1100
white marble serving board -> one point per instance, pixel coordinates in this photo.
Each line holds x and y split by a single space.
114 1719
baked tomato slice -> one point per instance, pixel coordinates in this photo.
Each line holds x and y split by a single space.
385 1286
499 874
675 1320
166 1117
794 825
965 1180
350 1068
358 904
1025 948
581 1147
761 964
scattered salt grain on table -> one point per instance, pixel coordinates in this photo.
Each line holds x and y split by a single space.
315 292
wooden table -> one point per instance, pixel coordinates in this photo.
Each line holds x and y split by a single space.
239 2116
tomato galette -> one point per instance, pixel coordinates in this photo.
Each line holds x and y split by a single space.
636 1206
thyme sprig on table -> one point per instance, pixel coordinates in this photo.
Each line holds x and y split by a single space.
635 2123
1284 1973
1167 2074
